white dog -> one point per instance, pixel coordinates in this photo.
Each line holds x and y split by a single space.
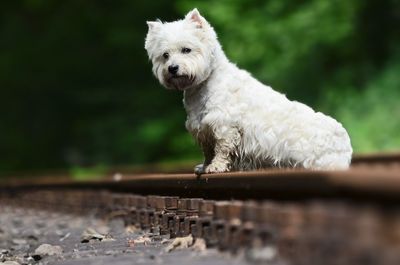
239 123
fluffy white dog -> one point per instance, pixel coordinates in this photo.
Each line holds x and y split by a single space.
239 123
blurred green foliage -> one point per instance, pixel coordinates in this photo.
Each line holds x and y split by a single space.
77 89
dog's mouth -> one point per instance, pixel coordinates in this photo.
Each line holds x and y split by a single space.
180 82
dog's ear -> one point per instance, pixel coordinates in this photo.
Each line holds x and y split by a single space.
153 24
195 17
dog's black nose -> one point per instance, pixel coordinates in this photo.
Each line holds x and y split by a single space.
173 69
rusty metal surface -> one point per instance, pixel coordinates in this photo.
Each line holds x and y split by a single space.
376 158
370 177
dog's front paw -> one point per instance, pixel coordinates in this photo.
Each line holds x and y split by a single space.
217 167
199 169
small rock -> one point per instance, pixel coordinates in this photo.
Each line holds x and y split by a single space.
180 243
9 262
19 241
264 255
48 250
145 240
91 234
199 245
103 229
130 229
107 238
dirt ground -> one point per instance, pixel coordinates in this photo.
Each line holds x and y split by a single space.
38 237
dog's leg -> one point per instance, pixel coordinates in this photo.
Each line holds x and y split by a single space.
226 142
208 152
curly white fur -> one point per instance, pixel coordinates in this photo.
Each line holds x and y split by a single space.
239 123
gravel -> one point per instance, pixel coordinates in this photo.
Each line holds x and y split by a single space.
30 236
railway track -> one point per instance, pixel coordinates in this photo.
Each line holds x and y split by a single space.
289 216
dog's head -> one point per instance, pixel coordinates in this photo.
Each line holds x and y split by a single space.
182 52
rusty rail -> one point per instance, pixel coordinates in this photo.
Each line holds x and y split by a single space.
372 181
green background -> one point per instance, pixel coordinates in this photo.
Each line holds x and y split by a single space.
77 89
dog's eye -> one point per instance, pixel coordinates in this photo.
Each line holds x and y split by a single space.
165 55
186 50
